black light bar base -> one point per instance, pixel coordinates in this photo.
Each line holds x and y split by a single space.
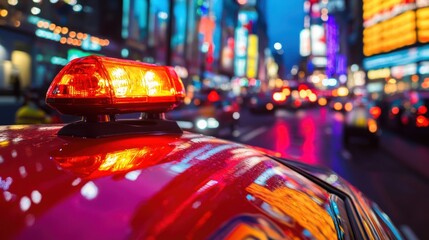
123 127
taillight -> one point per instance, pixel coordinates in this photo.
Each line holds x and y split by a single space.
375 112
422 121
213 96
422 110
279 97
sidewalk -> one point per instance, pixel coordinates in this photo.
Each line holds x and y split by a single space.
413 155
7 100
8 107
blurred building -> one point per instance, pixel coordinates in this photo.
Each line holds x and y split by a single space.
39 37
211 40
250 68
324 43
395 45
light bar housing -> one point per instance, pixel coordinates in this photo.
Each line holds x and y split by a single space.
96 85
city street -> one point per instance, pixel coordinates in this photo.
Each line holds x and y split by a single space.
388 174
393 174
109 93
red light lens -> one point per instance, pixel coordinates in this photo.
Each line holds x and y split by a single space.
100 85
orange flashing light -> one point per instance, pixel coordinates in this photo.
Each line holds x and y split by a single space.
97 85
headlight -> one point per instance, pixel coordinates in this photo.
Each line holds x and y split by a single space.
209 123
212 123
236 115
201 124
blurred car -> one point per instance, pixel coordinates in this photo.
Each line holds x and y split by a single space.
210 111
103 178
361 122
341 104
295 97
415 116
262 102
394 111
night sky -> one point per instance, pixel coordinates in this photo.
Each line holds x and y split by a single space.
285 20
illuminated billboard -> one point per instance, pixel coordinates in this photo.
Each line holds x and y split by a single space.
391 34
241 36
304 45
423 24
252 56
390 25
318 40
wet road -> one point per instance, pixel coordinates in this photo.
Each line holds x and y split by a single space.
314 136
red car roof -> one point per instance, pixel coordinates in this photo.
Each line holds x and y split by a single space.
142 186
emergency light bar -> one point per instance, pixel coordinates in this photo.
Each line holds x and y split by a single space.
98 88
97 85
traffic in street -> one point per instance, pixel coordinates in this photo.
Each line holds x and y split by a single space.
385 173
214 119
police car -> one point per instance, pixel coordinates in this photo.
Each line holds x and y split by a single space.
104 178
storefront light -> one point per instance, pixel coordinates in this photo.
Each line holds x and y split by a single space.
379 73
12 2
3 13
77 8
59 61
71 2
325 17
163 15
425 83
57 30
125 52
35 10
64 30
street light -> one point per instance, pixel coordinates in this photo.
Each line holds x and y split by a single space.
278 46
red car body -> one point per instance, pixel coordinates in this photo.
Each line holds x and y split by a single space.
174 186
103 178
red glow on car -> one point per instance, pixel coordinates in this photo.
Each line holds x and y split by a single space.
395 110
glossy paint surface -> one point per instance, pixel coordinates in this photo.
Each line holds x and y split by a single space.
177 186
